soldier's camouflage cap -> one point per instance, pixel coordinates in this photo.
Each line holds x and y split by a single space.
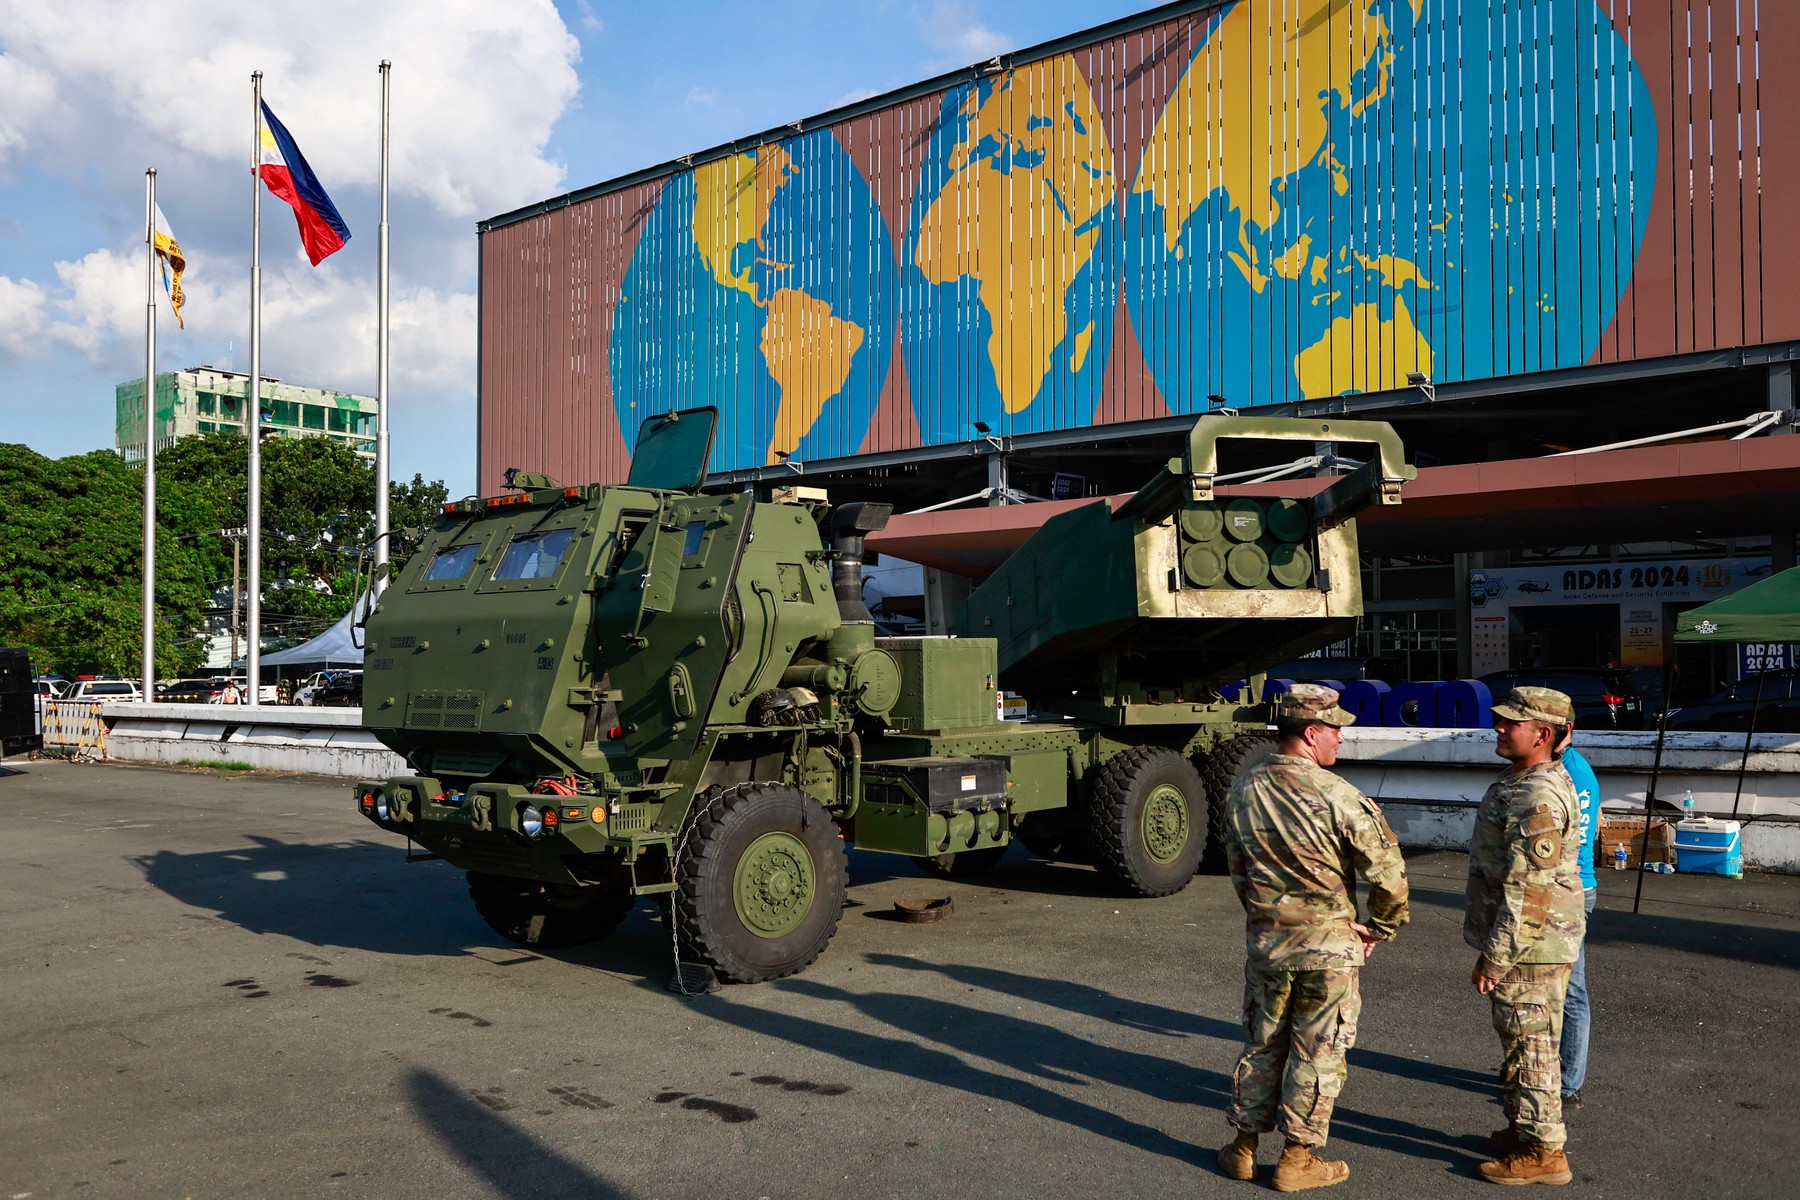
1314 702
1537 704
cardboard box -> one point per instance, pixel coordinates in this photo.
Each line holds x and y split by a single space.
1630 830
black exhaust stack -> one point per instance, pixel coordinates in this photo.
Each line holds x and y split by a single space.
849 524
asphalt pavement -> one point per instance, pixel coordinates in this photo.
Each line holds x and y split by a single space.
231 985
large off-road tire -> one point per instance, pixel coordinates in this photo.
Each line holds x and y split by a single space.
1224 769
761 882
964 864
547 916
1147 820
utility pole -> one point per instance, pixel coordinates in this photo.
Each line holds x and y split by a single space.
236 538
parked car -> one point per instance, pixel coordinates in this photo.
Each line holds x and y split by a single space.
1604 697
344 690
1729 709
104 689
192 691
50 689
307 688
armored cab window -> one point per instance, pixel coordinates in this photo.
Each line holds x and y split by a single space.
534 555
452 562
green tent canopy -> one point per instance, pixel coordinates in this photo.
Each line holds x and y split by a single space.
1763 612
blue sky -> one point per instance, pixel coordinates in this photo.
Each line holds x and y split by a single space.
496 104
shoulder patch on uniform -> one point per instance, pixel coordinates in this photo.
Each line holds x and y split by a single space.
1539 820
1543 837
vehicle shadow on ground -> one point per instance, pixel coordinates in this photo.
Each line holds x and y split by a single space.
1170 1022
1764 945
348 894
966 1035
508 1160
360 896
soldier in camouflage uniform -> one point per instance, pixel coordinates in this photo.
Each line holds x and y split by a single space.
1526 917
1295 839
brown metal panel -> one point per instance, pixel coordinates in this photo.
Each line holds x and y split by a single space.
1644 325
1780 162
1696 322
1730 23
1749 170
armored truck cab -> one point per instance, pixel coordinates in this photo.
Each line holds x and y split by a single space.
606 692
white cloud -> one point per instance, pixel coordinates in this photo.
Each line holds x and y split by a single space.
21 315
590 20
955 30
102 297
476 86
28 91
702 96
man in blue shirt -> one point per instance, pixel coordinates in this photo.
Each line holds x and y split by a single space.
1577 1014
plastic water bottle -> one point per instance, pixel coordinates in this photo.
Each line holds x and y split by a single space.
1662 868
1619 856
1687 806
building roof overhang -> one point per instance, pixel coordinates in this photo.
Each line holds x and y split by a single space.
1675 492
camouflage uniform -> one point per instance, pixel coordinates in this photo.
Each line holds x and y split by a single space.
1526 915
1296 838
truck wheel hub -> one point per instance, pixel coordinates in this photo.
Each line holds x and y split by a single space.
774 885
1165 824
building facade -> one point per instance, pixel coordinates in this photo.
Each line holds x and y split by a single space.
1517 229
209 400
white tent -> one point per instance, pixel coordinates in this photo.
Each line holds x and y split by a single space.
333 648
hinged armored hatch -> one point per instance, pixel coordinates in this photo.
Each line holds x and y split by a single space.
673 450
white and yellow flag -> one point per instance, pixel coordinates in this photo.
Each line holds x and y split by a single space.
169 251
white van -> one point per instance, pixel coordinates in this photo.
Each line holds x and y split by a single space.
104 689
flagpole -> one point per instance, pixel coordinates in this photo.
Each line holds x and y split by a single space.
253 407
382 466
149 662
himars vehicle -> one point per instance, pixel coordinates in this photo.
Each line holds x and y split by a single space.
606 692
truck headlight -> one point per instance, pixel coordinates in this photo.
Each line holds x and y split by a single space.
381 805
531 821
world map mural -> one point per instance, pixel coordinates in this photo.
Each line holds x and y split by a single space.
1281 202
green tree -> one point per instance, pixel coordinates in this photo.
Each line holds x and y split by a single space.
71 534
71 565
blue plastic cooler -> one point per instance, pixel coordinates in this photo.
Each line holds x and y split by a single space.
1708 846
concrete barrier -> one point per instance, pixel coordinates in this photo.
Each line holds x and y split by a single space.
1427 780
317 741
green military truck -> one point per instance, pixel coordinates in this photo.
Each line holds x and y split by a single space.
606 692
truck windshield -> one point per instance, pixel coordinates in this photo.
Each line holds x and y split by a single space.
452 562
534 555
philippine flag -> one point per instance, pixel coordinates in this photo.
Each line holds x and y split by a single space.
288 177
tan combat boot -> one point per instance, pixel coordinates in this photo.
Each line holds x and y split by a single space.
1238 1160
1300 1169
1530 1163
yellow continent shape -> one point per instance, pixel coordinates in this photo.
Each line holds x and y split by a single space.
1250 110
809 350
1019 232
1364 353
732 197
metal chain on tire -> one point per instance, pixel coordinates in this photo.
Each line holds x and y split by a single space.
692 823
